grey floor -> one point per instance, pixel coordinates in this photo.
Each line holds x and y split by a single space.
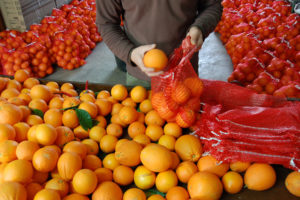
214 63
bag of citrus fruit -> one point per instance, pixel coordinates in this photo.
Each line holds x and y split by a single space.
176 93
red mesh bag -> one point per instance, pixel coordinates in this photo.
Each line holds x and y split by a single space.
176 92
238 124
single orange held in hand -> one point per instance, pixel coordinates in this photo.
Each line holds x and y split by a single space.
155 58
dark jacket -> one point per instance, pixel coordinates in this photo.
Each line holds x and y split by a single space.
161 22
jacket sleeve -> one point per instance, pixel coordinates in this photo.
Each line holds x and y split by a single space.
209 14
108 20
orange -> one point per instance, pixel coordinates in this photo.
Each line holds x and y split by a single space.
136 128
104 106
70 92
152 117
195 85
259 177
25 97
88 91
80 132
129 102
19 171
84 181
155 197
45 134
90 107
128 153
166 180
8 151
92 162
116 108
144 178
116 119
104 174
66 86
12 190
76 147
53 86
172 129
92 146
75 196
32 189
156 157
185 171
119 92
17 101
54 117
56 102
31 134
180 93
70 118
123 175
45 159
41 92
177 193
87 97
59 185
3 83
101 121
9 93
210 164
134 194
185 117
112 100
30 82
39 104
7 132
138 94
21 75
145 106
25 110
154 132
2 167
292 183
142 140
64 135
26 149
168 110
10 114
110 161
204 185
21 129
70 102
239 166
68 164
47 194
14 84
108 143
96 133
189 148
232 182
34 120
114 129
128 114
103 94
155 58
105 191
141 117
167 141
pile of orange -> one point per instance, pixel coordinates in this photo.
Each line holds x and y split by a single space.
53 157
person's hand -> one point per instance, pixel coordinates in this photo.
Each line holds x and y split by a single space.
137 56
196 36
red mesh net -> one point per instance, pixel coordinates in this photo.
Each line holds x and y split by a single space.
176 93
236 123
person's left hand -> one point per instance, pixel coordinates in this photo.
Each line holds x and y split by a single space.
196 36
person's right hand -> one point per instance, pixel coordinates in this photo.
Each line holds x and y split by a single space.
137 56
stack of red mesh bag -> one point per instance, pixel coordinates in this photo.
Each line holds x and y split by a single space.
235 124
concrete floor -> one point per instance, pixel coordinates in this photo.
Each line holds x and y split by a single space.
214 63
